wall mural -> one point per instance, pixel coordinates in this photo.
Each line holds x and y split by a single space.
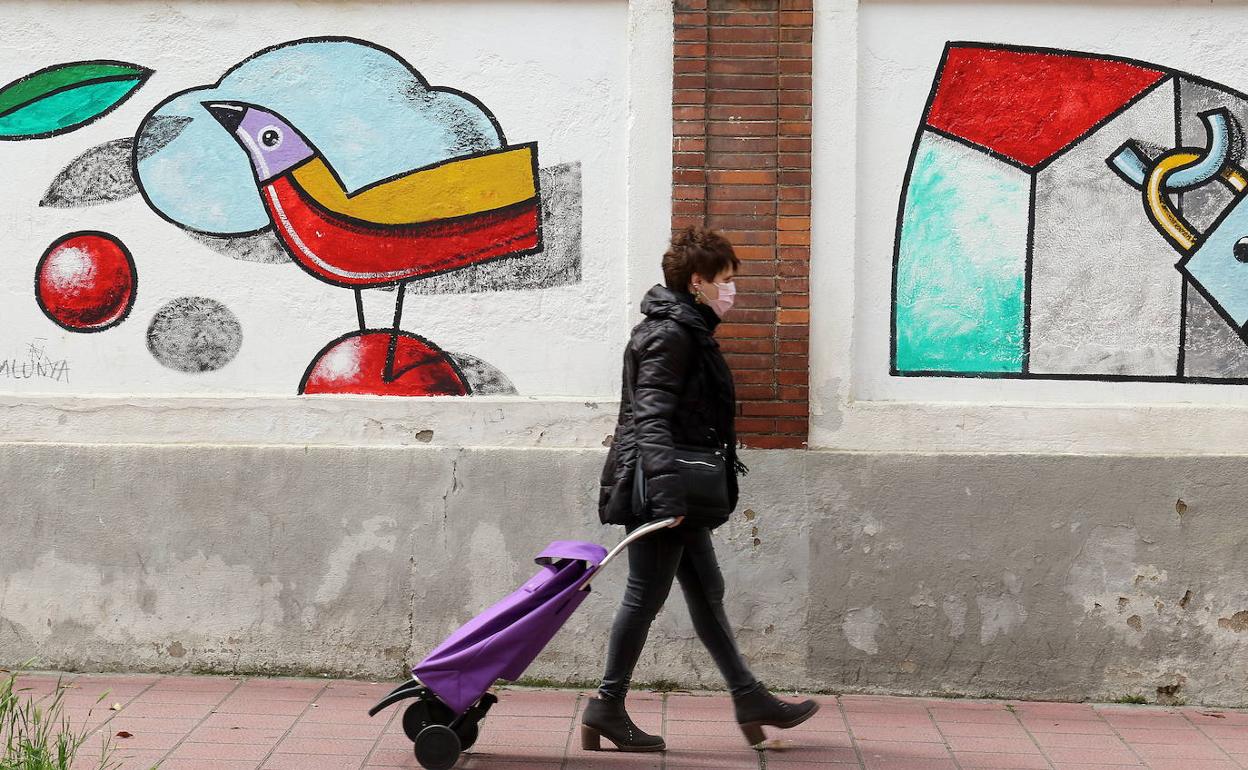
1048 196
333 154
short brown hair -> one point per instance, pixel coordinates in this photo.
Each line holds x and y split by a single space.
700 251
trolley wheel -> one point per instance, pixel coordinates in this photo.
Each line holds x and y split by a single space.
423 713
437 748
467 733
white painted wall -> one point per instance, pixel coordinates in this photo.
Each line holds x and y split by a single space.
588 80
874 64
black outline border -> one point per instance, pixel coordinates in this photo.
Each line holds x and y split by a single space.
140 79
1168 73
134 276
134 157
303 381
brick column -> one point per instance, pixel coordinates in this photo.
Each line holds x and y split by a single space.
741 112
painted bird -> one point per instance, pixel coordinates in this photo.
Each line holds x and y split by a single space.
430 220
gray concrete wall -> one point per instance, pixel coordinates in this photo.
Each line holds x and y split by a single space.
1015 575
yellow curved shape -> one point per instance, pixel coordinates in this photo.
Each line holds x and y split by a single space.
1167 220
453 189
1235 178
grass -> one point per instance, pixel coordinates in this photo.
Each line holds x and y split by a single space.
1135 700
36 736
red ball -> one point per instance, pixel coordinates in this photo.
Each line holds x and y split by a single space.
86 281
356 363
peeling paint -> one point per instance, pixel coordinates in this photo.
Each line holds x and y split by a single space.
955 611
860 628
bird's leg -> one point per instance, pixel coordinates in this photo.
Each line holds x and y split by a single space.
359 308
388 374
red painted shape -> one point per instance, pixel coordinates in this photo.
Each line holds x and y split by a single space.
85 282
354 253
356 364
1028 105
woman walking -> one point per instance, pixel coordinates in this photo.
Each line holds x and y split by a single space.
677 395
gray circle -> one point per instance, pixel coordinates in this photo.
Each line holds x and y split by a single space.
194 334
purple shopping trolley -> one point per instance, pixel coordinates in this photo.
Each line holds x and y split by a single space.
451 685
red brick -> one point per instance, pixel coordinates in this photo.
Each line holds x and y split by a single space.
797 425
741 144
689 96
794 128
756 300
687 207
794 267
755 208
794 112
741 177
793 316
750 393
722 34
688 159
755 425
794 96
742 345
772 442
777 409
690 5
746 331
741 160
690 19
741 128
742 97
690 50
747 67
744 82
689 80
793 223
796 50
794 34
799 82
797 160
681 221
795 331
796 18
797 253
742 192
791 377
754 285
793 193
798 237
690 34
753 237
744 50
794 347
792 393
743 19
793 208
788 177
794 286
793 299
754 377
689 112
742 112
689 192
689 176
750 361
688 127
793 362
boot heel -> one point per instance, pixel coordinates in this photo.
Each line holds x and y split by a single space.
591 740
753 732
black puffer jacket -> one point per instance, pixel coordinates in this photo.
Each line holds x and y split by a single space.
677 389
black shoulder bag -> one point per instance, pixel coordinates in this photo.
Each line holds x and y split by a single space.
704 476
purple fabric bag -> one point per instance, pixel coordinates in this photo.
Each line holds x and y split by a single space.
501 642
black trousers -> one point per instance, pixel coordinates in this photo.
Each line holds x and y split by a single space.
688 555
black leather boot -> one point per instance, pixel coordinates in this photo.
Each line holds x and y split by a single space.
608 719
758 708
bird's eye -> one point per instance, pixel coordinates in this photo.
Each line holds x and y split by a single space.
271 137
1241 249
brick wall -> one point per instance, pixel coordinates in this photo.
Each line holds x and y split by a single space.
741 112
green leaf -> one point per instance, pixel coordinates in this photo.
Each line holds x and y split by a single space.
65 97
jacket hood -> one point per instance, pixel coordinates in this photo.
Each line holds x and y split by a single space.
662 302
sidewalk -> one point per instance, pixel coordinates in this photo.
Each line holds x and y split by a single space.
227 723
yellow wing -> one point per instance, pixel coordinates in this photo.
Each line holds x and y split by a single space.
456 188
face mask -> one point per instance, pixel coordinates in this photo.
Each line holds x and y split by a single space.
727 294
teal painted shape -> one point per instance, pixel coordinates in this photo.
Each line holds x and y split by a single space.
65 109
1214 267
962 261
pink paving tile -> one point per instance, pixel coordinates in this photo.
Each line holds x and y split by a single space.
974 716
1216 716
910 764
902 750
883 719
334 730
1232 746
1121 756
206 764
223 751
726 743
1078 741
1000 761
250 721
1192 764
391 757
701 728
325 747
545 724
521 753
240 704
236 735
1066 726
995 745
920 734
811 753
1149 721
1232 732
1144 735
490 737
471 764
981 730
304 762
169 710
152 724
1188 750
831 762
180 696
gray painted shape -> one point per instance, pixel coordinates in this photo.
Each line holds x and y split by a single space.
100 175
1105 297
263 247
1213 348
194 334
557 264
483 379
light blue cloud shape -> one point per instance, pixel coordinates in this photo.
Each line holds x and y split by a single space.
366 110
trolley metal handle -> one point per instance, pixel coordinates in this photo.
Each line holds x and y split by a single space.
636 534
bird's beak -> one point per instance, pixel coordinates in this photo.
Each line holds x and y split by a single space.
227 114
